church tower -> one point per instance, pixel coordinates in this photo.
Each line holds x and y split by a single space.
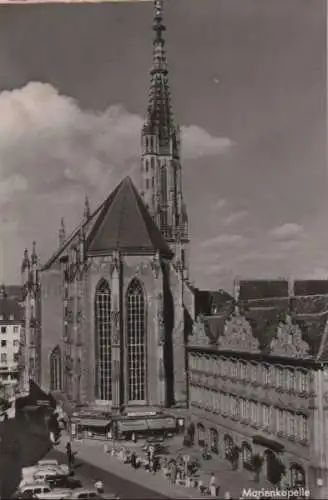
161 171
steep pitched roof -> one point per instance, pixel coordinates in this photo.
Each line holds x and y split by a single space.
124 224
10 311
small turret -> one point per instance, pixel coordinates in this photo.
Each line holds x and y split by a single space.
34 262
62 232
86 212
25 267
3 293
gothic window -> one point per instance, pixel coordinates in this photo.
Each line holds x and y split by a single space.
214 441
153 181
55 370
164 184
152 163
136 342
103 342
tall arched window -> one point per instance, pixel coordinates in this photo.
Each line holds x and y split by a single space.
103 346
55 370
136 333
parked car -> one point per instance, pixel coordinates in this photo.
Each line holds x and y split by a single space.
50 462
64 482
85 493
41 490
46 473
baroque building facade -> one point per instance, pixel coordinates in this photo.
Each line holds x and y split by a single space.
258 380
114 292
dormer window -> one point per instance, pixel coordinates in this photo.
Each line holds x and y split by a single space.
1 317
11 317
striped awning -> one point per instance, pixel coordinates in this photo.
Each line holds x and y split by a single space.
93 422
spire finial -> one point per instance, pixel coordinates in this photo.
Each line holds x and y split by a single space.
34 257
62 231
86 212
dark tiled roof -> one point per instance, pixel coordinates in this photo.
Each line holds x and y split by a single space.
10 307
261 289
124 224
311 287
209 302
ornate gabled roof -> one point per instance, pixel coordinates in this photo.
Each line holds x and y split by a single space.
124 224
287 326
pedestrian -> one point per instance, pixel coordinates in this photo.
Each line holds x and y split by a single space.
134 460
99 486
212 486
134 437
69 454
173 472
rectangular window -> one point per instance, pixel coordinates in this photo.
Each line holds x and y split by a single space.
3 357
16 343
16 357
3 343
16 329
11 317
147 183
3 329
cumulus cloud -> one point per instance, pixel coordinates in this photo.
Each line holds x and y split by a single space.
52 152
224 240
234 217
197 142
288 230
220 204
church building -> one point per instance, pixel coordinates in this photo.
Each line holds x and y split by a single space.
113 292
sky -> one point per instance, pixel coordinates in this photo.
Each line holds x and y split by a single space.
248 83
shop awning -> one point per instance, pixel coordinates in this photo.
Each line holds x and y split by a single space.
161 423
93 422
133 425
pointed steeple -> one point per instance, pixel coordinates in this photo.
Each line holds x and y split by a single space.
62 232
160 164
159 118
86 213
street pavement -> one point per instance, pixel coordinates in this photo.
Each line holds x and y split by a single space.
88 474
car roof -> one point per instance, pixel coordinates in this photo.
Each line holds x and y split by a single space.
34 485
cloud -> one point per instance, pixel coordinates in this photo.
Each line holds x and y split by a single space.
220 204
288 230
52 152
224 240
234 217
197 143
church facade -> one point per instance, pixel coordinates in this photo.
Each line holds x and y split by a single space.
113 293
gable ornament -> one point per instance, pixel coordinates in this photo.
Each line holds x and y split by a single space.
198 336
289 342
238 334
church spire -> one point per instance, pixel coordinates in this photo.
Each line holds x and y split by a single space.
161 171
62 232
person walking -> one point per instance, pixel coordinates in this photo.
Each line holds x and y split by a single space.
99 486
212 486
69 455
